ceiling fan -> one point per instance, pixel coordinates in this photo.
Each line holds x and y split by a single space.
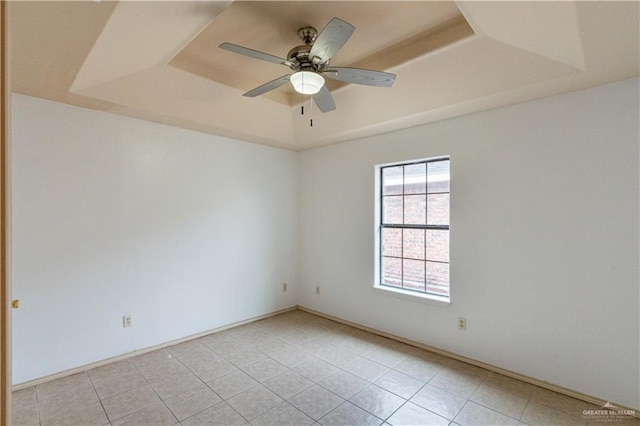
310 62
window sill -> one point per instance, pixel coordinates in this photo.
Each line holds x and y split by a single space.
430 299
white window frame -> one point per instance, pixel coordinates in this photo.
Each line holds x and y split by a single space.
401 293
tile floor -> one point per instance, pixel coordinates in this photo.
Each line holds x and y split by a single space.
293 369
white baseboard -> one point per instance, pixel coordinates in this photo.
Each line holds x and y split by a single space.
546 385
86 367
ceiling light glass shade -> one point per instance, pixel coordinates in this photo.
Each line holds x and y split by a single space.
307 82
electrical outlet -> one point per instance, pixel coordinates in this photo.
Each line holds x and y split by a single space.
126 321
284 286
317 289
462 324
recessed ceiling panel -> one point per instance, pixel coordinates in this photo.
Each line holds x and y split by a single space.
272 27
155 32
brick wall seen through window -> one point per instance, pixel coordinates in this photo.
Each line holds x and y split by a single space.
414 226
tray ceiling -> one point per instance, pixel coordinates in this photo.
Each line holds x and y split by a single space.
159 60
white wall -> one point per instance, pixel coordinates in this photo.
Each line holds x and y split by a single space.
111 216
544 238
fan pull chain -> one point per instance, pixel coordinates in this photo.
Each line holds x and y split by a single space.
310 108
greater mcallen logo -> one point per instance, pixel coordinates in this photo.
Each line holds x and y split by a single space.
609 413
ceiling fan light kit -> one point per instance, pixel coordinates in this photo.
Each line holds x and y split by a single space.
306 82
311 60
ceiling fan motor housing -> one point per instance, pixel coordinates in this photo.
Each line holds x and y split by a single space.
299 57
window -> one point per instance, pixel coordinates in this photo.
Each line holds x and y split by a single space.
414 228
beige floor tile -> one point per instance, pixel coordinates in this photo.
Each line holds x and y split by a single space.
476 415
192 402
212 368
338 336
360 346
366 369
317 347
316 369
291 357
153 415
296 337
377 401
227 348
507 402
112 381
457 381
265 338
288 384
317 331
255 401
232 384
339 357
158 365
245 357
219 415
283 414
85 415
110 369
412 415
421 369
228 336
189 349
194 355
154 359
507 383
128 402
566 404
344 384
468 369
439 401
23 397
419 353
349 414
166 387
63 405
327 323
217 341
264 369
540 415
386 356
272 345
316 401
399 383
164 371
67 385
25 415
248 334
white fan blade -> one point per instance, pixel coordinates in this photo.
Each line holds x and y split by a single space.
267 86
330 40
253 53
361 76
324 100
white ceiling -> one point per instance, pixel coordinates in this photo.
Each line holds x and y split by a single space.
159 60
